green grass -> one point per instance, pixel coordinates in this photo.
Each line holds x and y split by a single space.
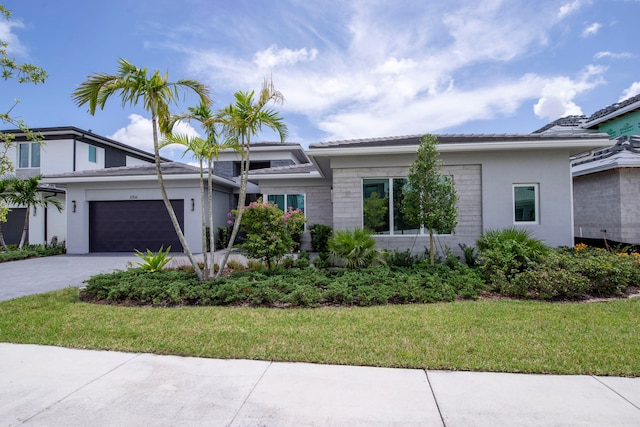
504 336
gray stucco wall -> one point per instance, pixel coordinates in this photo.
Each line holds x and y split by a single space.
484 181
608 200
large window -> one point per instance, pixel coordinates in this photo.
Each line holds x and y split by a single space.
286 201
525 203
29 155
382 207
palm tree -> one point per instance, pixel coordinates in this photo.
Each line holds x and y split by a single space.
204 150
135 85
242 120
25 193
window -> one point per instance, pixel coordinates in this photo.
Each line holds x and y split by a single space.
92 154
286 201
29 155
525 203
382 206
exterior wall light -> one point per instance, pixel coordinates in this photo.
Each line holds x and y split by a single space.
73 206
193 205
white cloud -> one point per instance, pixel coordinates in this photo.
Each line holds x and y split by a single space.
273 56
592 29
632 90
366 83
8 36
558 94
139 133
568 8
612 55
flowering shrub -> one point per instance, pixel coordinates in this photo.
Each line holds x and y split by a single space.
270 233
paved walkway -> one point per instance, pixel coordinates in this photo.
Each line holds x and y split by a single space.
51 386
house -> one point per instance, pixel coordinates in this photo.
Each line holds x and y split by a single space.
63 150
120 209
606 182
502 180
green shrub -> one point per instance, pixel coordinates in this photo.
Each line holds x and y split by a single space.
609 273
320 235
255 265
354 248
154 262
397 258
287 262
304 260
469 253
323 260
507 252
223 236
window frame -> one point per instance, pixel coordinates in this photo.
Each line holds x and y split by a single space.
93 154
391 214
30 155
536 201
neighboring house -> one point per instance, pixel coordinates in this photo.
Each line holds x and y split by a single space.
607 182
63 150
502 180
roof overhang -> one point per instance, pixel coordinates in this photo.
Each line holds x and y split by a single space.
134 178
614 114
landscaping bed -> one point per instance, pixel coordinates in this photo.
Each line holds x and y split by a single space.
30 251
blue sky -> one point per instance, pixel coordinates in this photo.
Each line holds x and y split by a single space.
348 69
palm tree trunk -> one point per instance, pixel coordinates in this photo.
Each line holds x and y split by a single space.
242 196
205 269
212 245
25 229
165 199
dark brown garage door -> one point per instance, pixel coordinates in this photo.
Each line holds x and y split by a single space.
122 226
12 229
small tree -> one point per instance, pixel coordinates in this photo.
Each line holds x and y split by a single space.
25 192
269 231
430 197
23 73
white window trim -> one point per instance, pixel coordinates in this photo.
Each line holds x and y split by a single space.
536 190
29 155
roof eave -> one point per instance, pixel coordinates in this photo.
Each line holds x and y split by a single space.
612 115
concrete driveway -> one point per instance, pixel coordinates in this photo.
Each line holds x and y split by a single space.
38 275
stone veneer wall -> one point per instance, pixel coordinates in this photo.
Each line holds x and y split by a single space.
347 205
596 205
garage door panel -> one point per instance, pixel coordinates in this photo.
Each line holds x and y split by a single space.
123 226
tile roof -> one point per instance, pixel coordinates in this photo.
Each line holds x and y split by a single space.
630 144
613 108
568 121
168 168
455 138
278 170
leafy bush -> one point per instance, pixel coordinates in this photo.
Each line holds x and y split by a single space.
355 248
154 262
320 235
323 260
609 273
397 258
304 260
222 240
270 233
507 252
469 253
31 251
295 287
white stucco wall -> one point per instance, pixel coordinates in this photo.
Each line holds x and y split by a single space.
82 157
83 193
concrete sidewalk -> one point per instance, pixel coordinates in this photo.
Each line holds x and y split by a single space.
51 386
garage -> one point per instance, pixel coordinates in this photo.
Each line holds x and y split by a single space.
126 225
12 229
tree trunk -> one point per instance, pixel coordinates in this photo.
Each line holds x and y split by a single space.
167 203
212 243
432 255
205 268
242 196
25 229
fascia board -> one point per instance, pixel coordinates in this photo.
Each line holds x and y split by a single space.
578 144
287 176
612 115
122 178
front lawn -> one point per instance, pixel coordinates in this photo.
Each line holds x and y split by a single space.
505 335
